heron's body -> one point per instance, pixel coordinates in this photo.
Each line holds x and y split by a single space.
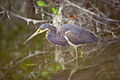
75 34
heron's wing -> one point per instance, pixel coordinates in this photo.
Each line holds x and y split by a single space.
80 37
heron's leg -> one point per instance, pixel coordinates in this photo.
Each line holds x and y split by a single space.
76 56
76 66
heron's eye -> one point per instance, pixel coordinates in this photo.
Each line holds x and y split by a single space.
39 30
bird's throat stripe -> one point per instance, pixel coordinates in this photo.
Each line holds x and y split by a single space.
39 29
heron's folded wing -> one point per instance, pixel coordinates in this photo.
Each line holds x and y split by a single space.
80 37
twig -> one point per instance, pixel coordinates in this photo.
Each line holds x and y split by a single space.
81 8
32 55
98 10
95 20
102 19
95 65
2 12
28 20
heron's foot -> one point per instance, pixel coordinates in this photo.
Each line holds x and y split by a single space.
72 72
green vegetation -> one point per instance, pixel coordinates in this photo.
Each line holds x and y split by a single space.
41 4
55 11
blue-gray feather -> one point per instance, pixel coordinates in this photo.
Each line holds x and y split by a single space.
75 34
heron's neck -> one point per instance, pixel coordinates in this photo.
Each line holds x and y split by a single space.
52 29
53 37
51 33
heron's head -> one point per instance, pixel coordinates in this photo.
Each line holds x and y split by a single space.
41 29
44 27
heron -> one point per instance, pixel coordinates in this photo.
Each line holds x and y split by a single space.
66 34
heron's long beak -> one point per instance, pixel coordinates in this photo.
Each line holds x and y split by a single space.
36 33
